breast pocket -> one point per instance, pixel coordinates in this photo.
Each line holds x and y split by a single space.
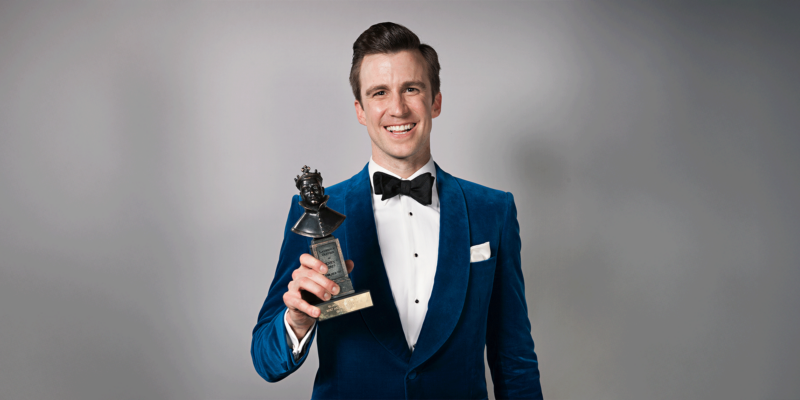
488 261
481 279
483 269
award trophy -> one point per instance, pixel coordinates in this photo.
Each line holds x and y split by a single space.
319 222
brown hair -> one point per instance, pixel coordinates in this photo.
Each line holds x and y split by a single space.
388 38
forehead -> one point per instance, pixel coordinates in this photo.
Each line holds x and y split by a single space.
309 182
394 68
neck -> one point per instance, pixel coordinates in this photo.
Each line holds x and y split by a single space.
404 167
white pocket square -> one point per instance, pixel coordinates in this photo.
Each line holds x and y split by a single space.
480 252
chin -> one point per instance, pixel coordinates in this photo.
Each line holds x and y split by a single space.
402 154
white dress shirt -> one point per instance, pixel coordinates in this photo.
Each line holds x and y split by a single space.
408 234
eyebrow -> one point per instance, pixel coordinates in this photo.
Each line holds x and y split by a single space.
373 89
419 84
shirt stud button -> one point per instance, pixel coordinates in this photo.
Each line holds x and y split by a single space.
410 213
416 301
416 255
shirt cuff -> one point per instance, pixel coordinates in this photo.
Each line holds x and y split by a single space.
298 346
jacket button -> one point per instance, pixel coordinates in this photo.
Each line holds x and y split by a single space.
412 374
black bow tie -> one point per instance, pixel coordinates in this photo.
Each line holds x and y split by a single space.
419 188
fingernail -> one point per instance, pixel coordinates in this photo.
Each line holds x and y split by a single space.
327 296
335 290
323 269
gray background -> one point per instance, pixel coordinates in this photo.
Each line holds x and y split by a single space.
147 153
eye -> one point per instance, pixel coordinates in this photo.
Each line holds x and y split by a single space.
379 93
412 90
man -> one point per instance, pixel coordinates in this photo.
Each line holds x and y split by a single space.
440 256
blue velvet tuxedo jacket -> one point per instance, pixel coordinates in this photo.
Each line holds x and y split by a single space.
365 355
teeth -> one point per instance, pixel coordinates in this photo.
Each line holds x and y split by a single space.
397 128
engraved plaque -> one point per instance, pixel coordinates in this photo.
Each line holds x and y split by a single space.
351 303
329 251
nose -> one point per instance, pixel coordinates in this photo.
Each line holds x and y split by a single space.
398 107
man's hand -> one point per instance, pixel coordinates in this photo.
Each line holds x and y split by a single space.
309 277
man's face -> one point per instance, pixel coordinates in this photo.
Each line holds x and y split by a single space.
397 106
311 192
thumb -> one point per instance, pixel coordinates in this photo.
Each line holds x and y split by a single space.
349 264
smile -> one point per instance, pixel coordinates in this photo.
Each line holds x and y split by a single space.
400 129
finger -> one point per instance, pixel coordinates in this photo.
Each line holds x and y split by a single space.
320 289
288 300
308 261
299 307
312 282
298 304
349 264
294 287
321 280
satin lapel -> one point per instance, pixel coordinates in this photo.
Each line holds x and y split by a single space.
369 273
452 270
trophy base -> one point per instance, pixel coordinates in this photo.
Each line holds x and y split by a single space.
344 305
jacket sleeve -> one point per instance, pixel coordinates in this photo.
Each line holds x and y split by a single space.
271 352
509 345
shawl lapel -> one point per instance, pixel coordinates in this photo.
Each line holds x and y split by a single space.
452 270
369 273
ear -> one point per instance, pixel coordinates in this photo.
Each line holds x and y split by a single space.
436 109
362 118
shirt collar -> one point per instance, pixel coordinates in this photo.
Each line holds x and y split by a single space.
428 167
